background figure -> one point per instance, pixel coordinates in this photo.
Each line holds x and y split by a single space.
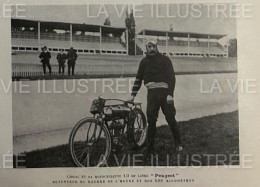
72 57
107 22
61 57
45 59
171 27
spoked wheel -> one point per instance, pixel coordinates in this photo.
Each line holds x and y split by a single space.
90 143
139 127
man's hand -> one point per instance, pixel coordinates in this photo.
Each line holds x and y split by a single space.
169 99
131 99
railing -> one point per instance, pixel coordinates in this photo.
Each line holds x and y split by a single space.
178 43
64 37
173 42
24 34
198 44
213 44
185 43
85 38
55 36
111 39
31 71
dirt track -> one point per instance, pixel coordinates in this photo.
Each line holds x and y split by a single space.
52 115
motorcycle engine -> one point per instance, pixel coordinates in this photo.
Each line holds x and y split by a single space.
118 133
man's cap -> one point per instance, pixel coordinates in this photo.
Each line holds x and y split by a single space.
44 47
151 41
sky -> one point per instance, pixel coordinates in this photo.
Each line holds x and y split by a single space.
200 18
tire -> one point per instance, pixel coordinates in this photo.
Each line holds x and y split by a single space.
90 143
139 127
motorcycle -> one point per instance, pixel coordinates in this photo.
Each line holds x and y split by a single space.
112 127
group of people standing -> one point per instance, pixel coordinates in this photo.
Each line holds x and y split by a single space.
71 56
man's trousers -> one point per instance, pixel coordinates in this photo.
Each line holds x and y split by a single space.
156 99
61 67
71 65
44 64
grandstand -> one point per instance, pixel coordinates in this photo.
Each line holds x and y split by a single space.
30 35
184 44
103 50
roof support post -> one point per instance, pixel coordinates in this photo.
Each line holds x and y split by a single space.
227 51
188 44
167 48
100 40
209 44
70 35
143 41
189 40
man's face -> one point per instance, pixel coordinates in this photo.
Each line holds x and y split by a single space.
151 48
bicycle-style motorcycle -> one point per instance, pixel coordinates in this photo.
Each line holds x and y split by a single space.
112 127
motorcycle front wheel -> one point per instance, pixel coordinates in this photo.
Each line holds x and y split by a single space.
90 143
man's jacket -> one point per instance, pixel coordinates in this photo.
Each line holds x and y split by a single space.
72 56
45 57
155 68
61 57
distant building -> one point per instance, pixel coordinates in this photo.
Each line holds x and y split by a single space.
185 44
30 35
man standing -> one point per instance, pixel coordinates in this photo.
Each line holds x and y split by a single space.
72 57
61 57
157 72
45 57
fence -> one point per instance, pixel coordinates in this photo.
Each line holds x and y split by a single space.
90 70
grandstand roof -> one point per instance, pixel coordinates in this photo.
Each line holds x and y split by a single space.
180 34
66 26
